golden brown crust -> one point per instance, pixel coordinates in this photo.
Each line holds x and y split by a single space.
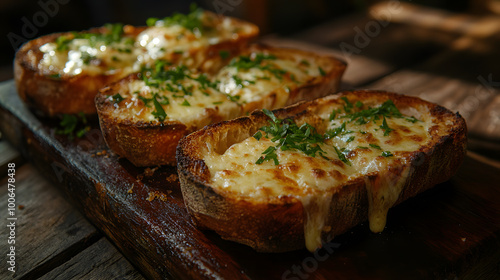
277 224
154 143
49 95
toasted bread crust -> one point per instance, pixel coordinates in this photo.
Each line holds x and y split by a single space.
50 95
276 224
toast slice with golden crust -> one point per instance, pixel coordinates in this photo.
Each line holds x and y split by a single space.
53 77
143 116
301 175
61 73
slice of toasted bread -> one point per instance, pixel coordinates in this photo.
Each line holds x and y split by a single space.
51 83
182 101
61 73
317 169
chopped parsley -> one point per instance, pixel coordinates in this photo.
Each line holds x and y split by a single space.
375 146
73 125
117 98
341 130
159 113
321 71
224 54
341 156
113 34
87 58
259 62
185 103
387 154
385 127
191 21
240 82
233 98
289 137
412 119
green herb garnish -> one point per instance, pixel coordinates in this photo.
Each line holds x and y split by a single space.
224 54
385 127
191 21
387 154
159 113
72 125
375 146
289 137
321 71
259 61
114 34
341 130
342 156
117 98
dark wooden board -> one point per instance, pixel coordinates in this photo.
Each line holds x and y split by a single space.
99 261
448 231
66 229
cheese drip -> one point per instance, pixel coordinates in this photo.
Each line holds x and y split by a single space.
383 191
316 210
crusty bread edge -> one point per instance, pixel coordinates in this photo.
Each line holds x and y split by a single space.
278 225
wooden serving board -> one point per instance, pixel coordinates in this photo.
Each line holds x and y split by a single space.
451 230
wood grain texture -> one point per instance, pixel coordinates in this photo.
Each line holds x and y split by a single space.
99 261
7 155
373 44
44 235
440 234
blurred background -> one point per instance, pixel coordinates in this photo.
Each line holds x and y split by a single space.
22 20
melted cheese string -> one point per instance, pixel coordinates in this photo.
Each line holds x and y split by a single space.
383 190
316 210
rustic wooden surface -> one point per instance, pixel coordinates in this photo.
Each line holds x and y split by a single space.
51 234
451 231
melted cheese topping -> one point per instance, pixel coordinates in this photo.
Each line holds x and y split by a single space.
174 43
254 84
312 180
177 43
233 91
194 109
84 56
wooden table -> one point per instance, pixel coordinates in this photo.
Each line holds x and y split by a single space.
446 58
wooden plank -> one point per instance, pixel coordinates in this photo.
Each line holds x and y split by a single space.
159 237
464 79
477 103
48 230
375 44
99 261
8 155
